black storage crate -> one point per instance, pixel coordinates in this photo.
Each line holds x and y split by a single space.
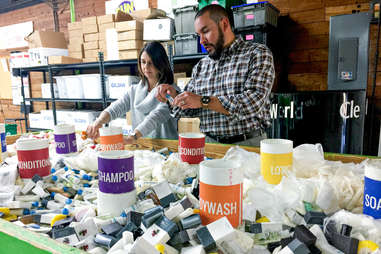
255 14
184 19
261 35
186 44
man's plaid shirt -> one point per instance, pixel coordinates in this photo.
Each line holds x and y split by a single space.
242 80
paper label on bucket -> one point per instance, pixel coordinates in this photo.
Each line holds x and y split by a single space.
3 143
31 162
274 165
219 201
372 198
116 175
192 150
65 143
113 142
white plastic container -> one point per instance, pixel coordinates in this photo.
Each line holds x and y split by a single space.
45 90
36 120
91 84
65 139
118 84
69 87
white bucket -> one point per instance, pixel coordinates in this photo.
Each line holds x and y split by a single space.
111 138
3 141
33 157
372 189
116 182
65 139
221 187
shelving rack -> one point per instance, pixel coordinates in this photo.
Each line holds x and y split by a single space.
55 69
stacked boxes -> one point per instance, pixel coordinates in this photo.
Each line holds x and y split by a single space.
75 40
105 22
130 35
90 38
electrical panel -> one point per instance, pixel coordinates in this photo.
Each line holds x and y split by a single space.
348 52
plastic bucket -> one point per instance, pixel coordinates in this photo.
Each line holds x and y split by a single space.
372 189
276 157
192 147
221 191
3 139
111 138
65 139
33 157
116 182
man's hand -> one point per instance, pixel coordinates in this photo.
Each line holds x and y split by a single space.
163 90
187 100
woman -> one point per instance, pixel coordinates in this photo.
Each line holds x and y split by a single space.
150 118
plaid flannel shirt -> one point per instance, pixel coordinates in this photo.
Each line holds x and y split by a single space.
242 80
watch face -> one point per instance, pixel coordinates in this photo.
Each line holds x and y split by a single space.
205 99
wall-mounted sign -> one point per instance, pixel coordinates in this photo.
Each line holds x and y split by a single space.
12 36
127 6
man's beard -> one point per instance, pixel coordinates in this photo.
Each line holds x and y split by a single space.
218 47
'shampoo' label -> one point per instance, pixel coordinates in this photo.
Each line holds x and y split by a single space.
116 175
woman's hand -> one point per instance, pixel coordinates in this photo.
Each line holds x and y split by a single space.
92 130
163 90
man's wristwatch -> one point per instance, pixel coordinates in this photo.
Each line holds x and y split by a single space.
205 101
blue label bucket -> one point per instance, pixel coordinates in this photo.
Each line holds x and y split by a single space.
372 189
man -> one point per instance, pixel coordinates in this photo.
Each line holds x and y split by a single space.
229 90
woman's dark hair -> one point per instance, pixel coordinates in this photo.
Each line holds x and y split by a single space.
159 59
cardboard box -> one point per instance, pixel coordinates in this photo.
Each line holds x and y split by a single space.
122 16
129 118
178 75
103 27
188 125
102 36
151 13
76 54
40 56
158 29
76 40
91 53
91 45
90 28
130 35
64 60
106 19
75 33
90 59
103 46
46 39
131 44
89 21
128 25
91 37
74 26
129 54
182 82
75 47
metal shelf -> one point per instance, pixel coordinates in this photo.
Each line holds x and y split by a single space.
184 58
65 100
78 66
37 129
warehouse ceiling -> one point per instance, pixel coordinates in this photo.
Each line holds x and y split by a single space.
10 5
